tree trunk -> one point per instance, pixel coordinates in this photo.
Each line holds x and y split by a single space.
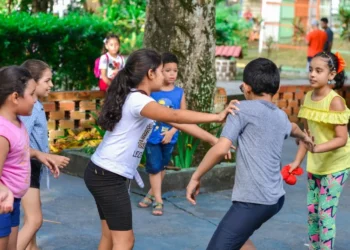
187 29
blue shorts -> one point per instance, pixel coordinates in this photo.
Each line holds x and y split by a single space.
9 220
240 222
157 157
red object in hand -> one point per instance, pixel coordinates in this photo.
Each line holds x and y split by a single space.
288 177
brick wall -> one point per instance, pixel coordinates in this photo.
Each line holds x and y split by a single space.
72 109
225 69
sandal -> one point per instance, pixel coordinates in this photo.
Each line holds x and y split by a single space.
146 201
157 209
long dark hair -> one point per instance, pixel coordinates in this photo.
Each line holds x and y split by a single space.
13 79
110 36
333 65
136 69
36 68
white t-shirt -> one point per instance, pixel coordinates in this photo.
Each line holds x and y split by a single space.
121 150
114 64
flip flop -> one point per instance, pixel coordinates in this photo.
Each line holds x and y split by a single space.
157 209
146 201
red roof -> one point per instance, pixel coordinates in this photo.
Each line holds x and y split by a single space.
229 51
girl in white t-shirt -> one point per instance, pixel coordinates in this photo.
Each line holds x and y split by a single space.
128 115
110 62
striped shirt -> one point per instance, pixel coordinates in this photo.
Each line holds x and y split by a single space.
36 125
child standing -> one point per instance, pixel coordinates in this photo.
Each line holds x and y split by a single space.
36 125
127 115
17 97
163 138
110 62
328 162
260 129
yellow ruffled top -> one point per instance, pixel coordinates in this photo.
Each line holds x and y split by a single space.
321 122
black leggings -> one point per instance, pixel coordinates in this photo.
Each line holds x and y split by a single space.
111 195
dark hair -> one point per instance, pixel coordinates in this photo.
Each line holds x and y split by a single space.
13 79
333 64
324 19
168 57
110 36
36 68
136 68
262 75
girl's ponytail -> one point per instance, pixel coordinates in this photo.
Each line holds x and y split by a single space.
113 106
137 66
339 80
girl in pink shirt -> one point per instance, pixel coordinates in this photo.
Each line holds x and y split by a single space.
17 97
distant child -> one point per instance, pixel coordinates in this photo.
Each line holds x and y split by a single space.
110 62
17 97
36 125
260 129
128 115
328 163
163 138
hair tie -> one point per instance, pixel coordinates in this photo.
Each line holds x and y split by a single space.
341 62
105 40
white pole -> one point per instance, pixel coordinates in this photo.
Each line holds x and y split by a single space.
261 37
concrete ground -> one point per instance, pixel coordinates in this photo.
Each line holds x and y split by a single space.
71 219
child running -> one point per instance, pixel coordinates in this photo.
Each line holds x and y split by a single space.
110 62
163 138
36 125
127 115
328 162
17 97
260 129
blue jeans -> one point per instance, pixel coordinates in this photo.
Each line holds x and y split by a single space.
157 157
240 222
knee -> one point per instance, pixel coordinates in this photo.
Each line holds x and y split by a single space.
35 222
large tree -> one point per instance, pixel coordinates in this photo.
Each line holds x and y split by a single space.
187 29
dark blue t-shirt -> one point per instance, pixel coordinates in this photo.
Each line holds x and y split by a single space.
329 38
170 99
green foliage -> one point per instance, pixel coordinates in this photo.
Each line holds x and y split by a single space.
128 18
186 148
231 29
344 16
70 45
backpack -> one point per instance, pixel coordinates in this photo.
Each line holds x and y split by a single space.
97 70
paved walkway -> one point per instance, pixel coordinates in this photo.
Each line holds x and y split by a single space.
71 219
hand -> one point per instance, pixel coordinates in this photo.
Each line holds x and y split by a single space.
6 200
168 135
293 166
228 156
309 141
229 109
53 162
192 190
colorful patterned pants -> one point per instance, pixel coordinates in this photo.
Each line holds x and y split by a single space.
322 202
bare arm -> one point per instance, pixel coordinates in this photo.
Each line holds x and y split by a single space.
158 112
6 196
297 132
341 131
197 132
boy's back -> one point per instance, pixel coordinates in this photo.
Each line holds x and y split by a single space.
260 129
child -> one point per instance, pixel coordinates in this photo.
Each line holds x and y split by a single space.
260 129
163 138
36 125
17 97
328 162
110 62
127 115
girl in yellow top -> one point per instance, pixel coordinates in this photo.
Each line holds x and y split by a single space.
328 161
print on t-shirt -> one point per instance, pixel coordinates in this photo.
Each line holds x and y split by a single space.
143 141
160 125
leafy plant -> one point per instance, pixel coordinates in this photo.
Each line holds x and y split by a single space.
344 17
231 29
186 148
299 30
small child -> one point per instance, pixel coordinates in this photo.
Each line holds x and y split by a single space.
36 125
110 62
260 129
328 162
17 97
163 138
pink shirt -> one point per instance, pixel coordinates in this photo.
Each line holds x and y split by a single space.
16 170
